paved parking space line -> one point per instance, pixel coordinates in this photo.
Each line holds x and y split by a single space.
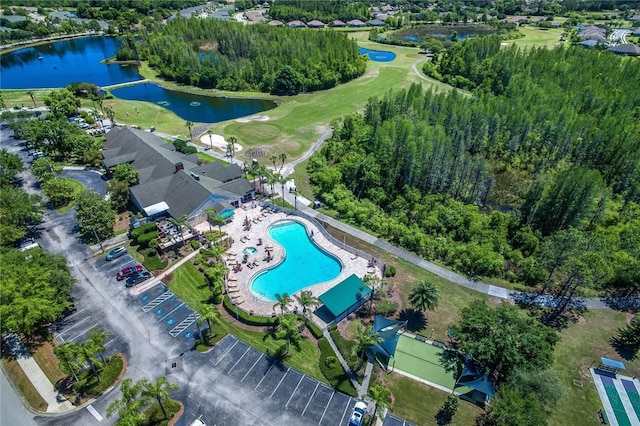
310 398
76 313
80 334
110 341
285 375
226 352
94 413
239 359
345 410
158 300
325 408
294 391
265 374
254 364
74 326
179 306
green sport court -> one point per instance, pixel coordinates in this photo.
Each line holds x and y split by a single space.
620 396
423 360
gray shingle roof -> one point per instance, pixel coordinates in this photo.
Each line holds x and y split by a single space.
186 190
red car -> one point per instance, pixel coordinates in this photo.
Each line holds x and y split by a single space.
127 272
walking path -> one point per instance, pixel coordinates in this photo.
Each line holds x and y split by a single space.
56 402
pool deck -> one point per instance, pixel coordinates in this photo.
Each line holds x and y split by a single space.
238 284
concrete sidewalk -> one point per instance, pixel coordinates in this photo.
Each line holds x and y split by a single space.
56 403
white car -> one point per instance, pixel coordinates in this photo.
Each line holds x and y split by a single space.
359 411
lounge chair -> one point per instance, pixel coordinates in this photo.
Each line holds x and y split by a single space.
238 301
354 257
231 278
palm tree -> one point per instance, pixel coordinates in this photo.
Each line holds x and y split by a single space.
380 395
274 158
210 133
272 178
130 404
288 329
282 180
69 357
283 158
306 299
97 337
158 390
365 339
189 124
375 283
424 296
33 99
87 350
231 146
179 224
210 315
284 300
214 217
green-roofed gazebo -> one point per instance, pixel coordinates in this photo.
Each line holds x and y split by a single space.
345 297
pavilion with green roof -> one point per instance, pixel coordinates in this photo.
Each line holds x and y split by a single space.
345 297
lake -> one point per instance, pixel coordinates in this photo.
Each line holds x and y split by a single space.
196 108
62 62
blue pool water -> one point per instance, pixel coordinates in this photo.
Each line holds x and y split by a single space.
378 55
250 250
305 264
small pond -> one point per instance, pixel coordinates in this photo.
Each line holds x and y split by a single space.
443 33
196 108
378 55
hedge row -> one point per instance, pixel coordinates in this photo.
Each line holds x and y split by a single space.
332 369
244 317
143 229
314 329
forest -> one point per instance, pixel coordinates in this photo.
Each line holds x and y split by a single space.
230 56
532 179
325 11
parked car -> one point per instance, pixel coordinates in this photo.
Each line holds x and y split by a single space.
129 271
116 252
359 411
137 278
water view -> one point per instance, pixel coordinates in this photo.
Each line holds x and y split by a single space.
378 55
59 63
196 108
305 264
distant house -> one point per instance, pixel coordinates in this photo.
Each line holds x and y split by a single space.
172 183
590 44
296 24
628 49
316 24
518 20
338 24
275 23
356 23
376 23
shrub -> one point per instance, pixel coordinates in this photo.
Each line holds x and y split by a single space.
332 369
143 229
314 329
195 244
244 317
386 307
389 271
144 239
90 120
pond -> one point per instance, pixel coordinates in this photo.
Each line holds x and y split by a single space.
196 108
443 33
378 55
62 62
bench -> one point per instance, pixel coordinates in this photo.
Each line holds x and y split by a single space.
603 417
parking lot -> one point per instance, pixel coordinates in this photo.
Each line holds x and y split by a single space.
391 420
170 312
290 390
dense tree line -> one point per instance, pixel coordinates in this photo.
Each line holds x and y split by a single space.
415 166
539 113
325 11
227 55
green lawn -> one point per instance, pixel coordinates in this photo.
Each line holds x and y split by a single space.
581 346
190 286
419 403
77 188
536 37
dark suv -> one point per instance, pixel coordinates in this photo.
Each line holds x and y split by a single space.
137 278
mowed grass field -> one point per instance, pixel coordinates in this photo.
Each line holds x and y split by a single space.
537 37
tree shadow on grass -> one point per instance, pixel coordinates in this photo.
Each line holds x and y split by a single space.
416 320
626 352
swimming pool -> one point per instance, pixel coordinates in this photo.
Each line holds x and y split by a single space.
305 264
